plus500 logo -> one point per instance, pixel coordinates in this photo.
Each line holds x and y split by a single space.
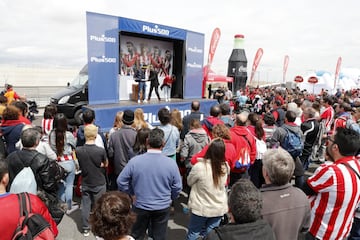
156 30
154 120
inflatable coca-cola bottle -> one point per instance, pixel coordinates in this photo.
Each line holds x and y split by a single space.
237 67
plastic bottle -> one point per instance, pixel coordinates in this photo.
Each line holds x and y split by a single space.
237 67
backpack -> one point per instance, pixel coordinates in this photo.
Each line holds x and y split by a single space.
260 148
31 225
24 181
351 124
292 143
243 158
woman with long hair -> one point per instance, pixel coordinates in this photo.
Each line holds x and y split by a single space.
47 123
140 145
139 120
63 143
117 123
257 130
208 197
176 119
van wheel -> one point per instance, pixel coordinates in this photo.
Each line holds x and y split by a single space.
78 117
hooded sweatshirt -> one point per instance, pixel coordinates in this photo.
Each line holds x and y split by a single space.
194 141
11 130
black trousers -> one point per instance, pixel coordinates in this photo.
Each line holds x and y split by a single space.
156 91
157 220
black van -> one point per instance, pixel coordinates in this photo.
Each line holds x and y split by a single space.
71 99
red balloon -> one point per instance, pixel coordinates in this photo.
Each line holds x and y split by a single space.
299 79
313 80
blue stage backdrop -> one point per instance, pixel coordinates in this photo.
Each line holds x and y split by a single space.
103 54
105 114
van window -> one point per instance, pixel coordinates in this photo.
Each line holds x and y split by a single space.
79 81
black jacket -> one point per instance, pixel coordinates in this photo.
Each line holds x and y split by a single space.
259 230
310 129
153 78
40 165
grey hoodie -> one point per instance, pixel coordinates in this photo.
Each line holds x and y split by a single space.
195 140
280 133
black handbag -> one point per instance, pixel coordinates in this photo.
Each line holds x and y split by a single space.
58 171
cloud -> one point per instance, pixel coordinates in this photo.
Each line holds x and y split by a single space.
313 33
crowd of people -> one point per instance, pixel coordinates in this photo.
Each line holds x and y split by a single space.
244 162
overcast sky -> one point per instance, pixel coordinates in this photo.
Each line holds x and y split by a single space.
313 33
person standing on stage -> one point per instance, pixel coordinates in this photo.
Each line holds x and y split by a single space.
166 86
139 77
154 82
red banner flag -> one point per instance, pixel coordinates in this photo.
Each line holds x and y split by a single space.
337 71
257 59
213 44
286 63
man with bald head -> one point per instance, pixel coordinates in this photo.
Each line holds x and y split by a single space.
242 140
195 114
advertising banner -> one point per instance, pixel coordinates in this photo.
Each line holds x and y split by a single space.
256 62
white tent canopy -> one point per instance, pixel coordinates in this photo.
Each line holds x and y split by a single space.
349 78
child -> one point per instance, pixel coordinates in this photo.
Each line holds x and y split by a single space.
92 160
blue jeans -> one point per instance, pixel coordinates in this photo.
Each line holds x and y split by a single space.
89 196
198 224
142 87
65 192
157 220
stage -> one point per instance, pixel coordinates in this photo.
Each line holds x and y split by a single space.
105 113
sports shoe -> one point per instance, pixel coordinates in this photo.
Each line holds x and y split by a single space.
86 232
145 101
138 101
73 208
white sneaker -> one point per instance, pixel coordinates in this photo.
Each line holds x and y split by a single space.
86 232
138 101
145 101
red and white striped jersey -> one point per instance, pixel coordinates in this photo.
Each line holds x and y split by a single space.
338 194
328 115
47 126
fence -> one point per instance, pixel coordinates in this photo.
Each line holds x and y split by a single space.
40 94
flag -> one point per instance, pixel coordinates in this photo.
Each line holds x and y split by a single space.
257 59
286 63
213 44
337 71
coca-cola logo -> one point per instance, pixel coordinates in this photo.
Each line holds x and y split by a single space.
242 69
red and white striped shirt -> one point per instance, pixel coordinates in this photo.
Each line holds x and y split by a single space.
338 193
328 116
47 126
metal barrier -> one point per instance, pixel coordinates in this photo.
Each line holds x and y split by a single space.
40 94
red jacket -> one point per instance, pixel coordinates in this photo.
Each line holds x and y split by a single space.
230 154
238 133
209 123
9 208
168 80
